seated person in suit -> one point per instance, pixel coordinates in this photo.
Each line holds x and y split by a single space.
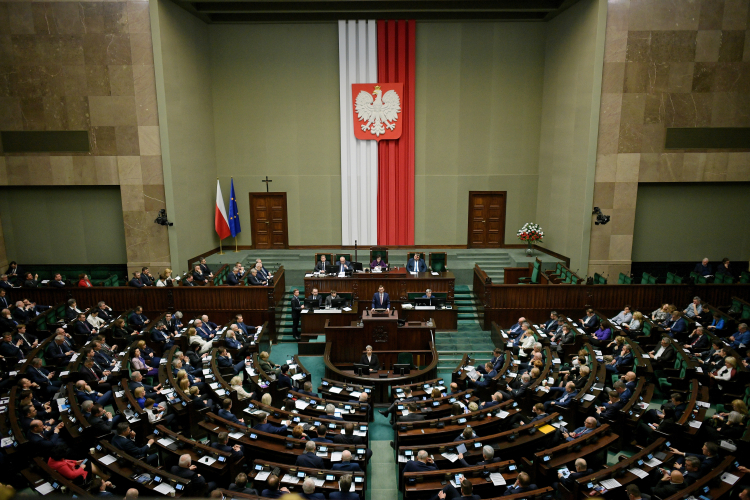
381 300
146 277
316 297
331 413
416 264
320 434
344 266
284 381
57 352
379 263
421 464
346 492
5 283
31 281
488 456
698 340
57 281
523 484
348 437
255 280
413 416
675 325
264 426
665 353
609 412
226 413
186 470
308 490
563 401
224 360
43 440
198 276
136 280
330 298
322 265
240 485
703 268
309 458
370 359
741 339
205 269
625 358
124 441
10 349
582 470
307 390
694 309
588 426
670 484
233 278
138 319
468 433
591 322
273 490
450 492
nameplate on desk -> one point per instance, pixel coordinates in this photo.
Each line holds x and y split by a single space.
327 311
424 308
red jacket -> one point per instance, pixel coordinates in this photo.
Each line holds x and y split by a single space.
67 468
85 282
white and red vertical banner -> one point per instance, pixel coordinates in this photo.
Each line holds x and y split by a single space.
376 77
359 159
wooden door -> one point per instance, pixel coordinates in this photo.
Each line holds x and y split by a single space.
486 219
268 220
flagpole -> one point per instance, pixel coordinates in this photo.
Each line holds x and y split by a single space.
235 245
221 251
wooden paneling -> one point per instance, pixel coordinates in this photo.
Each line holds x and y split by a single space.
505 303
511 274
268 220
398 284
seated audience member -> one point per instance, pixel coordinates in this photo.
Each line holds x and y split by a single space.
698 340
84 281
138 319
264 426
284 380
346 489
703 268
378 263
309 458
44 440
488 457
625 316
240 484
516 330
226 413
601 336
205 269
636 324
675 325
124 441
348 437
623 360
73 470
581 470
564 400
523 484
723 268
57 281
273 490
610 411
588 426
717 324
236 385
135 281
198 277
670 484
224 360
307 390
254 280
165 278
741 339
667 424
322 265
31 281
725 373
665 353
591 322
423 463
122 331
157 414
694 309
186 470
270 369
662 314
146 277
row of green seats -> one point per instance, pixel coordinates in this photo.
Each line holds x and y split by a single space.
534 280
599 279
624 279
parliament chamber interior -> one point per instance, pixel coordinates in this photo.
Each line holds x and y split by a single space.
375 249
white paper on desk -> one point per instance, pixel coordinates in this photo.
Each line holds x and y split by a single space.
298 376
107 459
580 330
402 459
220 392
119 394
505 336
699 369
45 488
559 424
347 309
336 390
301 405
164 489
166 392
236 435
645 356
355 394
5 442
262 475
165 441
695 424
357 433
320 407
638 472
74 357
250 371
327 311
215 385
497 479
450 456
318 482
516 361
336 456
512 374
207 460
729 478
588 397
305 311
598 353
502 414
543 389
163 361
309 275
434 273
322 454
543 335
405 412
610 484
556 361
206 371
654 462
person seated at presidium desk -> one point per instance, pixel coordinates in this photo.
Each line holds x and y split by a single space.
416 264
378 263
322 265
370 359
381 300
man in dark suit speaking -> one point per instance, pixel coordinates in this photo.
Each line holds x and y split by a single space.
381 300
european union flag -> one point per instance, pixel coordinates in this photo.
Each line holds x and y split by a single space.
234 216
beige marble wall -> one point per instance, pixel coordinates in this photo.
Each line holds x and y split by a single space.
676 63
87 65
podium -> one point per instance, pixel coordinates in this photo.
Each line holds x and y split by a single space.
382 333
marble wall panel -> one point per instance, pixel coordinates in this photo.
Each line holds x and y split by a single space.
87 65
676 63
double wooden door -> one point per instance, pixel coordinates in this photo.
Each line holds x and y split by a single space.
268 220
486 219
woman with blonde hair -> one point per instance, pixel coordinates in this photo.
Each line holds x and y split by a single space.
165 278
266 399
270 369
184 384
236 384
140 396
636 324
661 314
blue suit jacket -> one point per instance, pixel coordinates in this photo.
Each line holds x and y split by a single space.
417 466
129 447
421 267
232 343
343 495
271 429
228 415
347 466
559 401
232 279
137 320
136 283
310 460
376 304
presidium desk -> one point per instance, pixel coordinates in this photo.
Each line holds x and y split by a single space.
346 344
398 284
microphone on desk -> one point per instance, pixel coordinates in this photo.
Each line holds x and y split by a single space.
393 312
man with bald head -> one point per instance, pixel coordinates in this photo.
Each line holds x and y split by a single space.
421 464
346 463
41 440
671 483
588 426
186 469
516 330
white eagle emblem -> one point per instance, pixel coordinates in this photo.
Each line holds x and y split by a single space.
380 113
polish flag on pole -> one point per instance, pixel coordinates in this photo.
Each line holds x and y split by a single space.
220 219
